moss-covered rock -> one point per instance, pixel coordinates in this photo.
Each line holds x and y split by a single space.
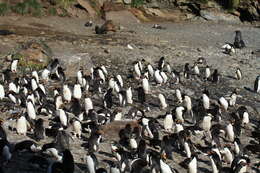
33 55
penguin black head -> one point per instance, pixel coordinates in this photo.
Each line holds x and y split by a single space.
101 170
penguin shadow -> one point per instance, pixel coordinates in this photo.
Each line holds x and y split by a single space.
249 89
205 170
230 77
81 167
106 154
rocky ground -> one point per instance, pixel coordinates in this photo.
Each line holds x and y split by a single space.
78 46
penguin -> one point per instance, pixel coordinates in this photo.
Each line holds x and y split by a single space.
122 98
205 99
21 125
161 63
150 70
107 99
27 145
67 95
257 84
13 87
233 98
88 104
39 130
58 101
89 24
114 168
52 67
63 117
158 78
137 70
186 71
196 69
240 163
223 102
238 42
94 141
229 49
238 74
34 84
162 101
243 114
77 93
120 80
168 122
101 170
164 76
227 155
30 110
178 95
76 127
205 124
191 164
5 151
207 72
2 92
237 145
179 113
129 96
35 75
165 168
14 65
80 77
138 165
230 132
6 75
45 74
92 162
215 76
145 84
141 95
168 67
216 163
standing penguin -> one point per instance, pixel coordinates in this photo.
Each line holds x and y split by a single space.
207 72
77 93
161 63
162 101
66 93
129 96
238 42
107 99
14 65
238 74
2 92
92 162
31 110
168 122
158 77
257 84
145 84
76 127
21 126
39 131
141 95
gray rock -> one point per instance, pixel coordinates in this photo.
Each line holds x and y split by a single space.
218 16
127 1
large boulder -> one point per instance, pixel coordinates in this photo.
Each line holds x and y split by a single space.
218 16
33 55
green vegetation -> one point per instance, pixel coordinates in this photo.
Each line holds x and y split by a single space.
52 11
137 3
65 3
4 8
233 4
28 7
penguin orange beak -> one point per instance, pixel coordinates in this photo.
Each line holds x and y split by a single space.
164 156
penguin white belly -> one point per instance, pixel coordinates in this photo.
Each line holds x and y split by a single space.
243 169
193 166
237 149
162 101
188 103
206 103
31 111
178 128
114 170
118 116
77 128
232 101
77 91
158 77
12 87
67 93
168 122
245 119
206 123
88 104
133 143
63 117
187 149
21 125
137 71
150 70
196 70
179 114
34 84
90 164
164 167
230 132
164 76
178 95
2 92
120 80
228 157
146 87
129 96
223 103
214 166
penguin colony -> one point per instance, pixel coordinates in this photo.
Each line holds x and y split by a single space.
47 104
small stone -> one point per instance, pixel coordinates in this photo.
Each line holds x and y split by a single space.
106 51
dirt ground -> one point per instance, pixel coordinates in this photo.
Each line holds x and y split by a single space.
78 46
